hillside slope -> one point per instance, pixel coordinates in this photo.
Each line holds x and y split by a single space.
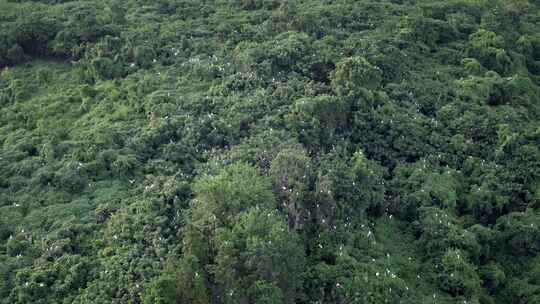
265 151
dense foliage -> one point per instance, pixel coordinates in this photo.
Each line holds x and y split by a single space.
266 151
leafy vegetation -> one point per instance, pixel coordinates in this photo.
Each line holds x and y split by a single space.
264 151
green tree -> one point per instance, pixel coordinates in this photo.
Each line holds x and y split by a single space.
181 282
257 251
355 75
233 227
489 49
318 120
458 277
291 172
441 232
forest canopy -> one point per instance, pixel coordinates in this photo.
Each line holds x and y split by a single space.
268 151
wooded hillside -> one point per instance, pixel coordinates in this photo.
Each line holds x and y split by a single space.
267 151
